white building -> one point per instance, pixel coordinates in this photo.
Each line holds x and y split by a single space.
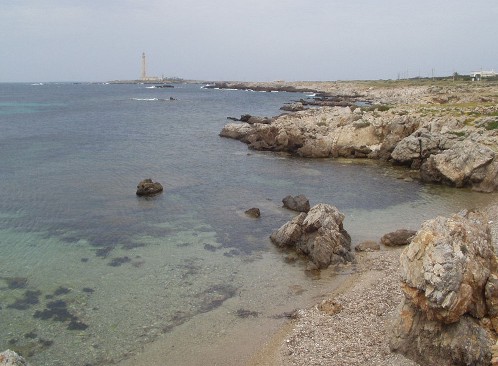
477 75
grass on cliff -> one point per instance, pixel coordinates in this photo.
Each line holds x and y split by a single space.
492 125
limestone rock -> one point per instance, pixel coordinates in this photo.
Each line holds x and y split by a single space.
465 164
398 237
148 188
432 343
319 234
297 203
449 276
10 358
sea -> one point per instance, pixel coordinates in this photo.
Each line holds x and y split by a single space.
91 274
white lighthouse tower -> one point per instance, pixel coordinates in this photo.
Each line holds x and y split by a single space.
144 67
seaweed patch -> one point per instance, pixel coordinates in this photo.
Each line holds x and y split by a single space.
29 299
57 310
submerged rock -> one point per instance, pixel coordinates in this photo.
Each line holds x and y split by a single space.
319 234
148 188
10 358
449 277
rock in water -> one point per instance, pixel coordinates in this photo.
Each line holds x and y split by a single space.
449 276
319 234
10 358
148 188
253 212
298 203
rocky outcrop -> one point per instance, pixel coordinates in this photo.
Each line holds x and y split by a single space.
449 143
398 237
449 277
297 203
319 234
10 358
466 163
148 188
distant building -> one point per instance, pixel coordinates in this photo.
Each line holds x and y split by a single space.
477 75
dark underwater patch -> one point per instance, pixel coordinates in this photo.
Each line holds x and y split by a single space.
116 262
57 310
16 282
29 299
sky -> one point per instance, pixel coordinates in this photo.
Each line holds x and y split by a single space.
245 40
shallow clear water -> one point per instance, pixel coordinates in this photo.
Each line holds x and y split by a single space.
89 272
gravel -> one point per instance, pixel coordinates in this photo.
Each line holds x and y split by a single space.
358 331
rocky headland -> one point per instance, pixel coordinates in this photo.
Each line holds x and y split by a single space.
444 132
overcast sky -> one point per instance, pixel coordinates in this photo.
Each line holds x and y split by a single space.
258 40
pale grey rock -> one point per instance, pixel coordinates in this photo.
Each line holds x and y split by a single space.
10 358
465 164
449 280
319 234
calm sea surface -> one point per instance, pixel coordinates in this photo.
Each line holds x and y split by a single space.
89 272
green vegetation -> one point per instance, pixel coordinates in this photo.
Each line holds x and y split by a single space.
493 125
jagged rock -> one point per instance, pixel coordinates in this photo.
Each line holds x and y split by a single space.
420 145
148 188
10 358
449 279
398 237
297 203
253 212
237 131
367 246
293 107
319 234
467 163
432 343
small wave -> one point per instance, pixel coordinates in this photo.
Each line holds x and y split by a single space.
146 99
311 95
150 87
37 84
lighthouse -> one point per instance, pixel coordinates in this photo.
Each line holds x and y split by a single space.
144 67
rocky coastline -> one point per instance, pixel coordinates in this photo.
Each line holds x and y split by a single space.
443 133
435 288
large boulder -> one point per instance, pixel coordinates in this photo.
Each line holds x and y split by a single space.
319 234
10 358
148 188
467 163
449 276
419 146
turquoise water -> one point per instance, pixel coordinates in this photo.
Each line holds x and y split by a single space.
89 272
